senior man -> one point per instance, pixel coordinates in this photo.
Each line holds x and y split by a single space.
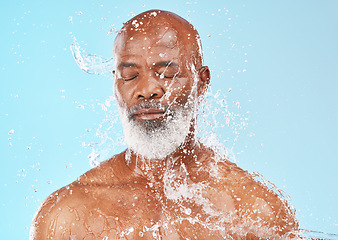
166 184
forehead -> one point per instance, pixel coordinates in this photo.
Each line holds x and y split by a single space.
149 35
137 40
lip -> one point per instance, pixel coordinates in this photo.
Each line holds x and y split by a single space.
149 114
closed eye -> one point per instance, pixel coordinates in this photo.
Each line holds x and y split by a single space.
167 70
163 75
167 73
130 78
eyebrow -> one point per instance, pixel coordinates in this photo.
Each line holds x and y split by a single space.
126 65
166 64
159 64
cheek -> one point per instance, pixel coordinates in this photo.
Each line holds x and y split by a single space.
122 93
178 91
117 95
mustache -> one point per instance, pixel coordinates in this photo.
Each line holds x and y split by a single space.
146 105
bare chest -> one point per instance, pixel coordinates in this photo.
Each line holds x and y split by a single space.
148 213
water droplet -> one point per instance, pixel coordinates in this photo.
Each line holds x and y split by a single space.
77 217
187 211
93 158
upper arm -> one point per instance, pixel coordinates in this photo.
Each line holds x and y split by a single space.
43 218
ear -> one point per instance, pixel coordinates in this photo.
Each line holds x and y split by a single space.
114 78
204 74
114 75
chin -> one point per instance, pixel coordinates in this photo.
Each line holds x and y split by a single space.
157 139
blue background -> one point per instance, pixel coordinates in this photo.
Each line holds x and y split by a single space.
278 57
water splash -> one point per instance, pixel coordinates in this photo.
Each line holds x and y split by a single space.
217 115
107 137
93 156
90 63
308 234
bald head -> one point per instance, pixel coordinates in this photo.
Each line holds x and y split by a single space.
158 50
157 28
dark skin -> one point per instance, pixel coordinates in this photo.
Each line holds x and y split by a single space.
141 199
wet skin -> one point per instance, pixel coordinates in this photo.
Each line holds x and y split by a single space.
185 196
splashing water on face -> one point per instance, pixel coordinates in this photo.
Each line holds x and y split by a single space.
151 141
215 114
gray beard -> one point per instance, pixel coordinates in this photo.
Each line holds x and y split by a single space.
157 139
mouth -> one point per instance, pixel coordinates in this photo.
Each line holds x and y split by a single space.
148 114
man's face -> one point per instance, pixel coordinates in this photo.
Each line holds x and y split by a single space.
152 65
155 88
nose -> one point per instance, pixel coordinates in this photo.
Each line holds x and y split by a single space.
148 88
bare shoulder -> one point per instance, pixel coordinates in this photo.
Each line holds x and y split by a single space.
57 207
256 200
71 209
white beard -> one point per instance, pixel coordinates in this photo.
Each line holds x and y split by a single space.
157 141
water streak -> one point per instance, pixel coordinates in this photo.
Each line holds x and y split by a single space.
309 234
90 63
